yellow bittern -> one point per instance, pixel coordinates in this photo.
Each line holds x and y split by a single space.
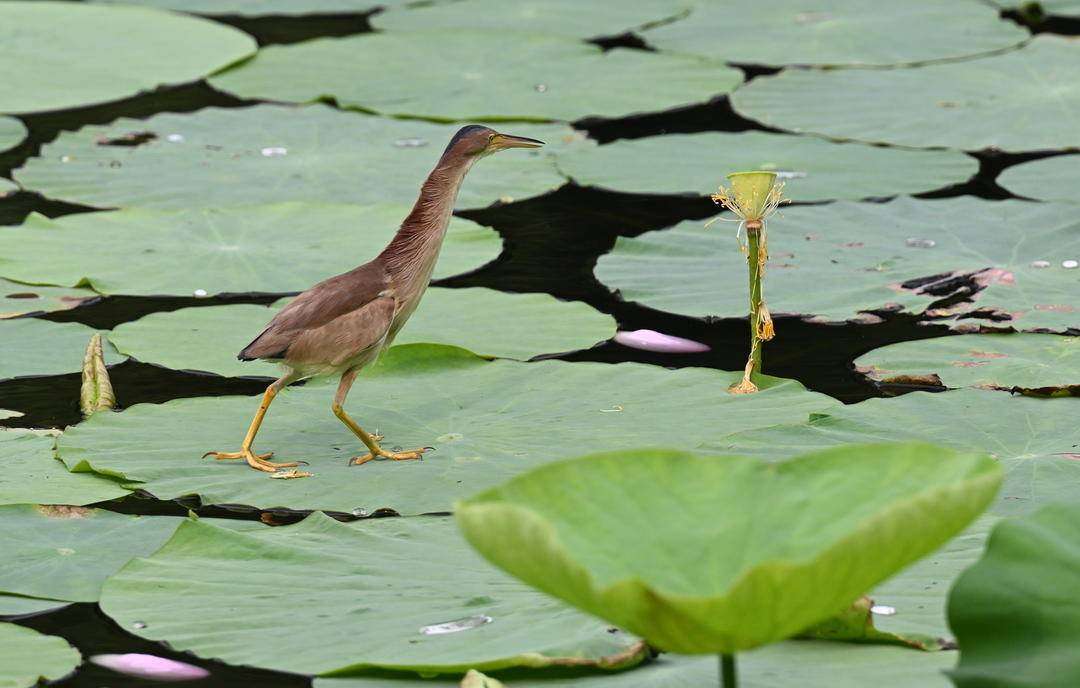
343 323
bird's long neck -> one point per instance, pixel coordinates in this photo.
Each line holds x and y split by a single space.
411 254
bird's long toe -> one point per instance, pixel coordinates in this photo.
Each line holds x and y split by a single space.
226 456
391 456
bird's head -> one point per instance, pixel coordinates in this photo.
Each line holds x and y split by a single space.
476 141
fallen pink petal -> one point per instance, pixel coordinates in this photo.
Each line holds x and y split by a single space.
651 340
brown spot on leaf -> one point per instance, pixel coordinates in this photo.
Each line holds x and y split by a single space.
968 364
987 354
948 103
985 278
1053 308
129 140
926 380
855 244
64 511
810 237
1068 455
22 295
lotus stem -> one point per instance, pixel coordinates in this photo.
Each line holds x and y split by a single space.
727 672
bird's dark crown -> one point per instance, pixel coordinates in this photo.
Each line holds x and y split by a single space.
476 132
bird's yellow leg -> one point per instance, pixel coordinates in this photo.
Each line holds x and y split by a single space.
258 461
372 443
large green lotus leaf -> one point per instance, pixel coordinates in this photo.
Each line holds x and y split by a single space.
478 75
268 153
793 664
285 247
7 187
20 299
1049 179
1015 612
770 561
12 132
260 8
28 657
31 474
59 55
816 169
66 553
39 347
836 32
859 257
484 321
568 18
488 421
346 597
982 360
16 606
1016 101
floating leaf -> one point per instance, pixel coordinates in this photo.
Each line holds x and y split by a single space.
261 8
19 299
855 624
1049 179
96 393
1005 361
14 606
12 132
104 53
485 321
969 105
28 657
371 588
902 255
837 33
214 158
567 18
814 168
488 420
285 247
535 77
770 563
7 187
795 664
31 474
39 347
1015 611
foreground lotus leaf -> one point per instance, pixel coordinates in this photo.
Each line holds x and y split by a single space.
536 77
220 157
108 53
487 420
1045 362
31 474
836 33
569 18
27 657
12 132
968 105
770 563
260 8
486 322
364 586
20 299
40 347
1047 179
279 248
1015 612
67 552
14 606
813 168
902 255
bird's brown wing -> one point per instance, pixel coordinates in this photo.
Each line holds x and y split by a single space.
358 299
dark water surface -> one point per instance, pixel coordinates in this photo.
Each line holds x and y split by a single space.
551 245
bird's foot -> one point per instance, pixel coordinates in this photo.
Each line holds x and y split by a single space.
257 461
392 456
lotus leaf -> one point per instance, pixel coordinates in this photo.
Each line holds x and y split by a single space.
279 248
814 168
40 347
7 187
771 562
1050 179
15 606
488 420
260 8
20 299
1027 361
535 77
1015 612
28 657
837 32
794 664
862 257
31 474
321 581
991 102
568 18
268 153
1057 8
107 53
487 322
12 132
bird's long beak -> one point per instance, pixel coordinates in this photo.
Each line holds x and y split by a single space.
503 141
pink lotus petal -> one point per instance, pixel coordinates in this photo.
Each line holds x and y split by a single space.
650 340
150 667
